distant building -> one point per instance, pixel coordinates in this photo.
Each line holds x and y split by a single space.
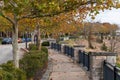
118 32
64 38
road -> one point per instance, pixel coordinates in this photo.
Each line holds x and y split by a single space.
6 52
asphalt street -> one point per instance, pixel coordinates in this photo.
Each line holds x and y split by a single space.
6 52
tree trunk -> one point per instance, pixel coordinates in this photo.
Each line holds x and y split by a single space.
89 38
5 34
101 37
85 36
15 45
89 42
39 38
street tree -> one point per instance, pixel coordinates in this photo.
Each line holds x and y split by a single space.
16 10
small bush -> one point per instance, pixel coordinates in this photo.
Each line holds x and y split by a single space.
113 37
109 38
9 72
44 49
33 61
118 65
4 75
104 47
32 47
46 43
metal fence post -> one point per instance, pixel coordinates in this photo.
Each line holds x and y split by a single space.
83 58
89 61
115 73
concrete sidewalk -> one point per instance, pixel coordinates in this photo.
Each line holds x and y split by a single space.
65 69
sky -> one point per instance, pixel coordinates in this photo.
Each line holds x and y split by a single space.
111 16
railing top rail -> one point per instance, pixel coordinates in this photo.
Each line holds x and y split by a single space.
107 63
118 69
103 54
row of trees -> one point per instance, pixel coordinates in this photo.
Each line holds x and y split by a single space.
100 30
15 11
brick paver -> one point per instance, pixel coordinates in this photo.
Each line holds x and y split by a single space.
65 69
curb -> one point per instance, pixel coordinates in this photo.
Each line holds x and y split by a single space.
48 71
24 49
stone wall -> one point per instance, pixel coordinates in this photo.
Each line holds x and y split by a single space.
96 64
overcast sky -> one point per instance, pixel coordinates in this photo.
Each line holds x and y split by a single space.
111 16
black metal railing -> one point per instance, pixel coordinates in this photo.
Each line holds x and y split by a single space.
110 72
72 52
84 59
69 51
56 46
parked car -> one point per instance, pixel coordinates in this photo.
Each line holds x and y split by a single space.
7 41
28 39
24 39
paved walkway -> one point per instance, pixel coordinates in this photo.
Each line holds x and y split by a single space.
64 68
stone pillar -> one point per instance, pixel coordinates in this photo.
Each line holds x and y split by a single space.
96 64
76 55
62 48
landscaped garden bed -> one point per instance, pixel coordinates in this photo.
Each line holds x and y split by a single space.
32 66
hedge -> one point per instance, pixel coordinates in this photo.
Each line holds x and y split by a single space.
33 61
9 72
30 64
46 43
32 47
4 75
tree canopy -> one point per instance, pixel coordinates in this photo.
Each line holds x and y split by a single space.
42 8
16 10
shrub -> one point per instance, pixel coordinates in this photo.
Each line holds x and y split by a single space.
32 47
104 47
118 65
4 75
109 38
46 43
9 72
31 62
44 49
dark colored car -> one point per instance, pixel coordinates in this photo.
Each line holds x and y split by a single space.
7 41
28 39
24 39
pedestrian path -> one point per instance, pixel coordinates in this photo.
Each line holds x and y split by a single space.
64 68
